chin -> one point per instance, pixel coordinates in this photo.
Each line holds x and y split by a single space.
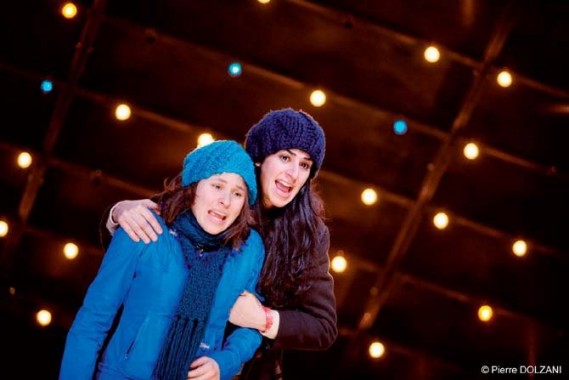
214 231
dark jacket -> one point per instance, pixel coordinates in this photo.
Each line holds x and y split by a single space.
310 326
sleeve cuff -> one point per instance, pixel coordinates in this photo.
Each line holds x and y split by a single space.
111 224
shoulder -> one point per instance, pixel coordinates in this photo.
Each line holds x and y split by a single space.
254 240
253 244
323 236
320 261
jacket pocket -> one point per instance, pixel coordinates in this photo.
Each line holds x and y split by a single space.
142 354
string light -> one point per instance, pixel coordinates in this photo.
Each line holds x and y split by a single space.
46 86
234 69
69 10
123 112
520 248
504 79
400 127
471 151
432 54
318 98
204 139
440 220
4 228
70 251
43 317
24 160
339 263
369 196
485 313
376 350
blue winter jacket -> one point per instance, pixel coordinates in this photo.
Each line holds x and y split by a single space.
142 284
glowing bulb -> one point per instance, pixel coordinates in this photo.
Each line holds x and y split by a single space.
46 86
69 10
264 1
485 313
520 248
204 139
43 317
440 220
234 69
504 79
470 151
318 98
432 54
376 350
70 251
24 160
3 228
400 127
339 263
122 112
369 197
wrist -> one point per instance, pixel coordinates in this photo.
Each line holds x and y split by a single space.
112 219
268 319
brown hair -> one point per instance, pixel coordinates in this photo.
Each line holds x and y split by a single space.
176 199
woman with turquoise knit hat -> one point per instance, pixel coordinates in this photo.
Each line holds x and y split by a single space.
299 311
159 311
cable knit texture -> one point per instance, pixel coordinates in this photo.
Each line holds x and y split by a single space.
204 256
223 156
287 129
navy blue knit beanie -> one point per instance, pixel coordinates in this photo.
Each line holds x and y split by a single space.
223 156
287 129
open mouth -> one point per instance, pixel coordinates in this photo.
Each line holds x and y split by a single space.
283 188
217 216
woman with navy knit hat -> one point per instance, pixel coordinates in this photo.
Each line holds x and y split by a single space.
288 148
159 311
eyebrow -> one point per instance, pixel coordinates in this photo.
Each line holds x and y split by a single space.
294 154
220 179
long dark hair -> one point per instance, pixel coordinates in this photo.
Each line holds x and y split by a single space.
175 199
291 238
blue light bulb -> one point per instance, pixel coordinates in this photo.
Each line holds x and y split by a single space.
234 69
400 127
46 86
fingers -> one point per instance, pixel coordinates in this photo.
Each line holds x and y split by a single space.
252 298
139 223
151 205
204 368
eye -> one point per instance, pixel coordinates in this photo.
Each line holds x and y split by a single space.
284 157
216 186
238 194
305 165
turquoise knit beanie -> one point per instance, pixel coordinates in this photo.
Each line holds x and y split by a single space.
223 156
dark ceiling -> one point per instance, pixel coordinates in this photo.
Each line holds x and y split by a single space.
415 288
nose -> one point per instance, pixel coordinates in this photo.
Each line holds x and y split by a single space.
225 199
293 170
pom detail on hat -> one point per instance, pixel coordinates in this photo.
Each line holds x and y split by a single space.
223 156
287 129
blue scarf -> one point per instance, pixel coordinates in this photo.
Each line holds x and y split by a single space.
205 256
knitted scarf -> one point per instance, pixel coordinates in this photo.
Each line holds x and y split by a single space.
205 257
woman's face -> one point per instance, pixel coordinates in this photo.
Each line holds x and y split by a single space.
282 175
218 201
